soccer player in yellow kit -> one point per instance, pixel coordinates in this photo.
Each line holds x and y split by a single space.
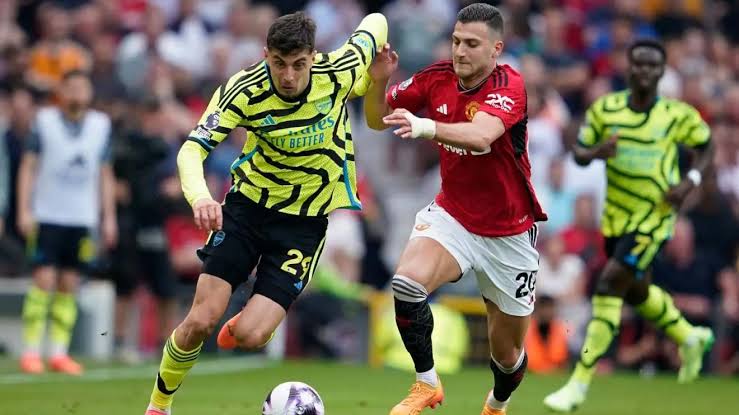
297 166
637 133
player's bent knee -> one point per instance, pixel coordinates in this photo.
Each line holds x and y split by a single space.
509 358
408 289
253 339
200 323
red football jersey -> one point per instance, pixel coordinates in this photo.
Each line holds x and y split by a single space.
489 192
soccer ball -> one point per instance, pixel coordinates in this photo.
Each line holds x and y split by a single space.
293 398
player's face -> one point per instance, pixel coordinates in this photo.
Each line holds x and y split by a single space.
290 73
646 67
76 94
474 49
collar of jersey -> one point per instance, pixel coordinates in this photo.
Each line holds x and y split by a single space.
647 110
477 87
298 98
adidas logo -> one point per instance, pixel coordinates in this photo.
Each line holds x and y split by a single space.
442 109
268 121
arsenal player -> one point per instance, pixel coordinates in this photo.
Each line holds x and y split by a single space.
483 220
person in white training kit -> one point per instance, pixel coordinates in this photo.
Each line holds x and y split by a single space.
65 195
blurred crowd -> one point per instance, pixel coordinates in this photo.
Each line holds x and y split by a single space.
155 63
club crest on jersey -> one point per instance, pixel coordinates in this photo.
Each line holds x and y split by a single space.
471 109
324 105
213 120
405 84
218 238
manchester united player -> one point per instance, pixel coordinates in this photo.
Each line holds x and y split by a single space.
483 219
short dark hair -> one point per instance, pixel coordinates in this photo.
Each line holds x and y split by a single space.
482 12
292 33
648 43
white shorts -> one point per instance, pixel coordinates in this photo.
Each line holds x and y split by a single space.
505 267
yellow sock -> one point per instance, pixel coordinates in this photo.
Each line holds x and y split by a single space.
35 310
602 328
63 317
660 310
175 365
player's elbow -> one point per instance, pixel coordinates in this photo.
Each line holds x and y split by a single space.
484 141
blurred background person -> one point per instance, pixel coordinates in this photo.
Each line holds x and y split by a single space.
140 164
65 195
546 340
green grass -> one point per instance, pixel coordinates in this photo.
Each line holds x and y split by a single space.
241 385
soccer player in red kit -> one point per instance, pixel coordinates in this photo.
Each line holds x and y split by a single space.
483 219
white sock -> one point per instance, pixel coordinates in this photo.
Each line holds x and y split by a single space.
57 349
496 404
429 377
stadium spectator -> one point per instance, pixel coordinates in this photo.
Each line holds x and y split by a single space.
144 256
562 278
4 188
240 43
138 51
546 340
555 197
584 238
55 53
16 138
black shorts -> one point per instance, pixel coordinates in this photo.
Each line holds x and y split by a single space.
634 250
69 247
286 247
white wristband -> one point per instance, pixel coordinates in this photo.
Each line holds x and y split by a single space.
421 127
695 177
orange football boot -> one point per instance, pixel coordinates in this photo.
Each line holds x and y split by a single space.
421 395
64 364
226 339
31 363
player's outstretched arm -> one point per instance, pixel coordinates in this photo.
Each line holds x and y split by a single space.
206 211
475 135
224 113
375 104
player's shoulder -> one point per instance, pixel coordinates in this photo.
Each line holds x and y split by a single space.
504 76
611 102
509 71
677 107
253 79
440 69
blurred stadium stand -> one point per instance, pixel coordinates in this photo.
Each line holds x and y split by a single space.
154 63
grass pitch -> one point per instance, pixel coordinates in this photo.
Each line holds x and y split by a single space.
237 386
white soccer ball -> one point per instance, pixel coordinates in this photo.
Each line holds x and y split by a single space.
293 398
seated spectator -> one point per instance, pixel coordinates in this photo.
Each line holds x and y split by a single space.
556 199
584 238
691 275
546 340
55 54
562 277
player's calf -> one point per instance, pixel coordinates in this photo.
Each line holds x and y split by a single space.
415 323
